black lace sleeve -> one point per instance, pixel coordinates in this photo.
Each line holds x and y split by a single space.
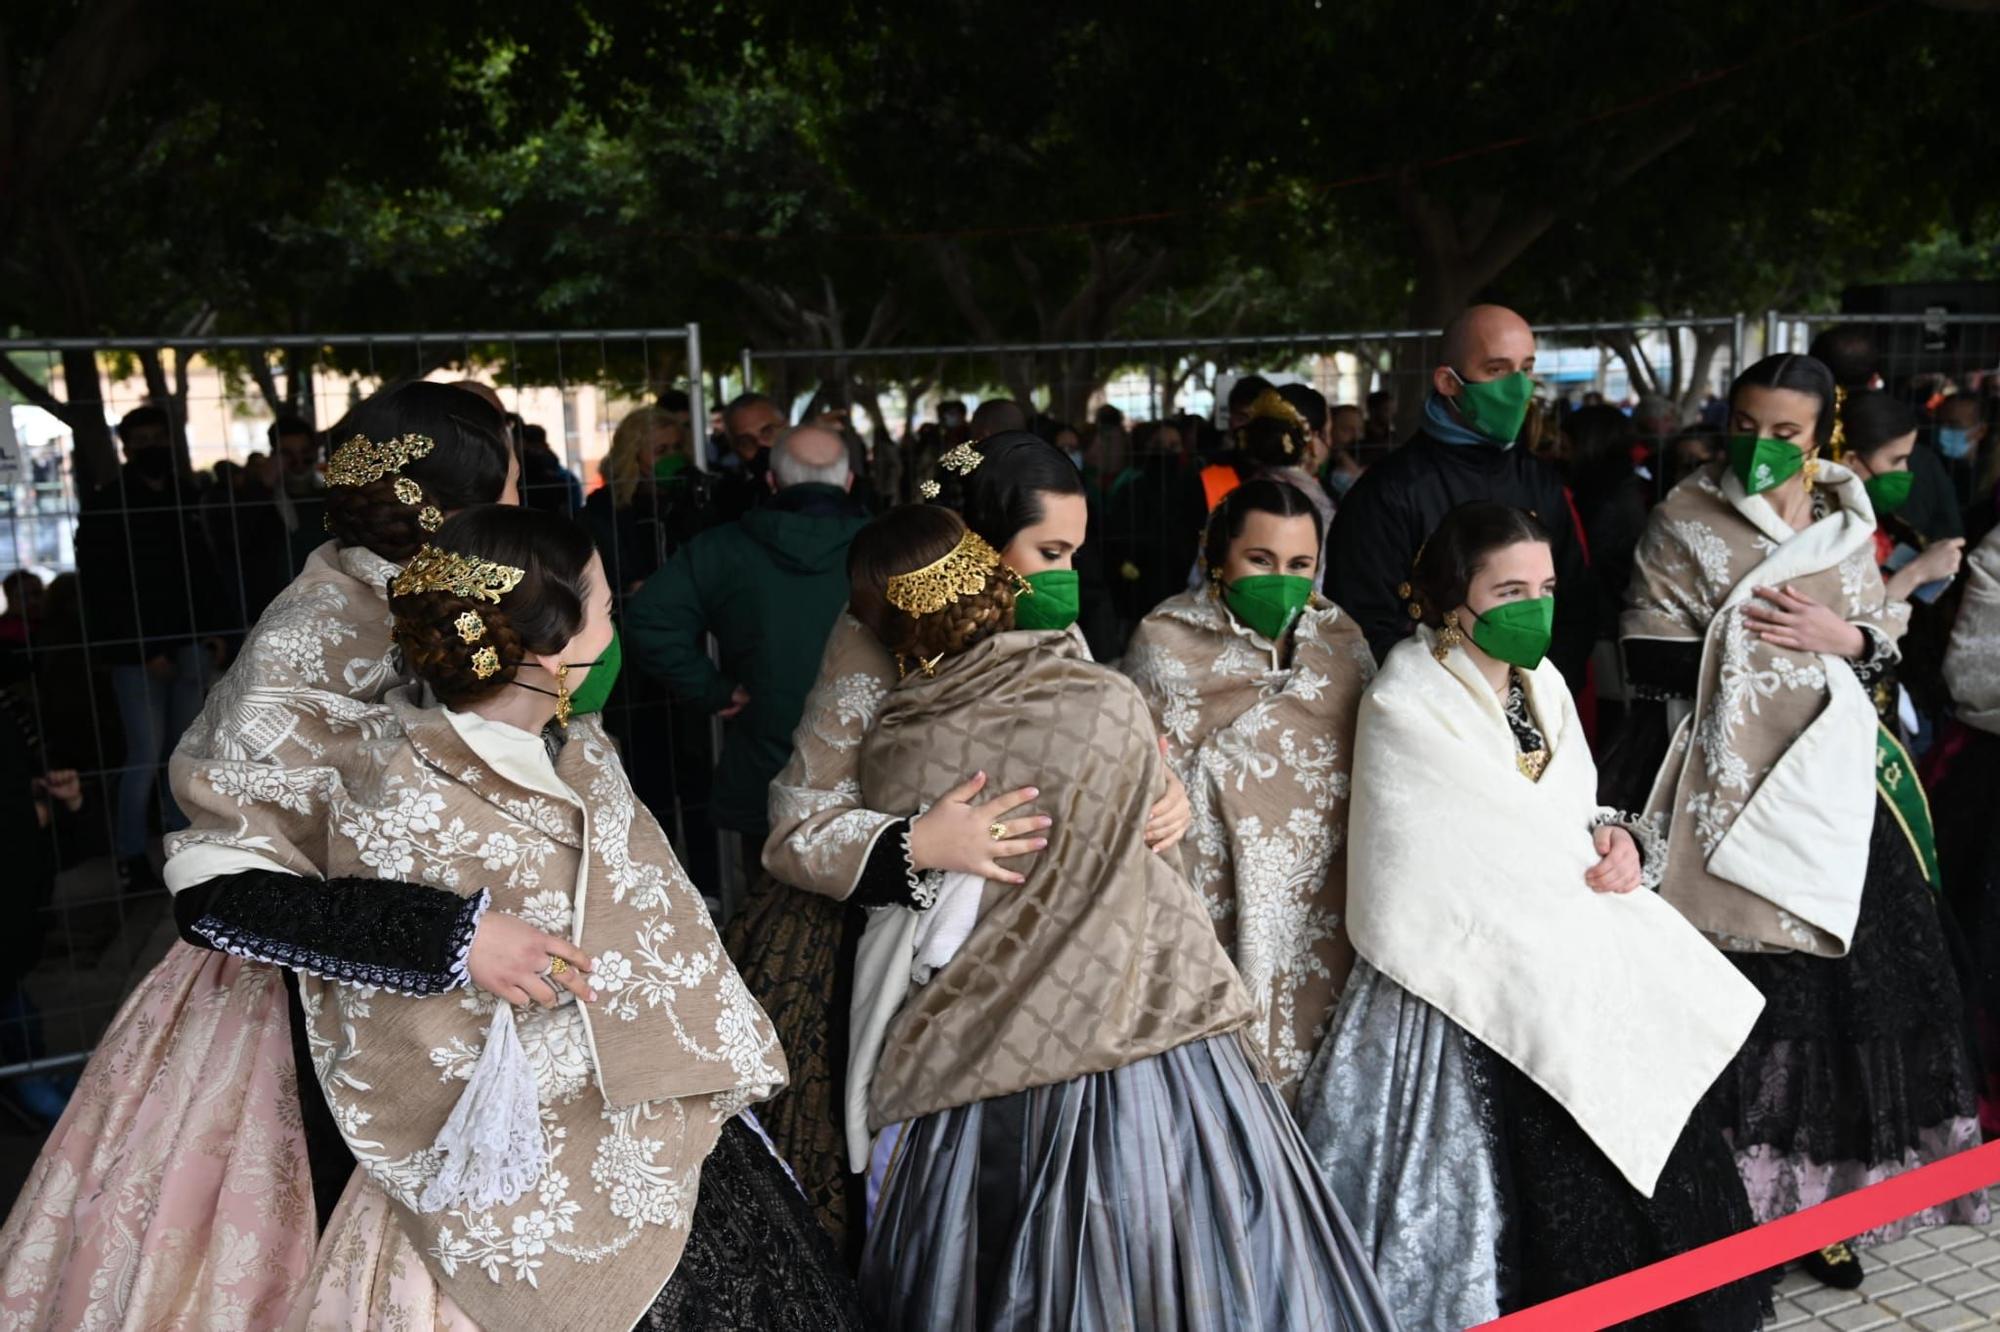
889 879
1872 667
1661 668
403 937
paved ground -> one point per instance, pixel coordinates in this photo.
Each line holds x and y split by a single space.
1936 1280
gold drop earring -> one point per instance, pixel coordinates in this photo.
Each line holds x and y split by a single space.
562 695
1448 637
1811 469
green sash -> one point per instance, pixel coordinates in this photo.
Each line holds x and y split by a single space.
1896 779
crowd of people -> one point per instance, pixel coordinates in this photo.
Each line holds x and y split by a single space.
1093 954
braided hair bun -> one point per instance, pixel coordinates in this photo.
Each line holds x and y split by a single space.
467 464
469 647
906 539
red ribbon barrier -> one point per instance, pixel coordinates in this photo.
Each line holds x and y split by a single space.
1740 1255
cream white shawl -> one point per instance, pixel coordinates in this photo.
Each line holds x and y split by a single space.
1465 887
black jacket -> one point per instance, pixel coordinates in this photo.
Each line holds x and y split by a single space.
145 570
1385 518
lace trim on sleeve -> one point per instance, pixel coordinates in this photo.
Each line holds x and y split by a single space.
1873 666
1647 836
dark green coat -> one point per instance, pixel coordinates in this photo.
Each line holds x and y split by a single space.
769 587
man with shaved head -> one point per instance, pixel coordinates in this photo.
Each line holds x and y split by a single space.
769 587
1465 450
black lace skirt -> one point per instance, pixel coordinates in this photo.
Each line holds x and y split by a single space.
1572 1220
1858 1058
756 1259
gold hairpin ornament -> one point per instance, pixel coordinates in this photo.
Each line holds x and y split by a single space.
486 663
362 460
434 570
930 490
471 628
962 572
964 460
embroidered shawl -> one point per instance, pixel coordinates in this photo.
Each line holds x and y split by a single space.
1769 785
1466 888
318 657
1264 751
1104 956
632 1089
821 835
1972 661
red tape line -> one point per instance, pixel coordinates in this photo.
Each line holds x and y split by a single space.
1740 1255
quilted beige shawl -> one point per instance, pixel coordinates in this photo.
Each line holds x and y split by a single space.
632 1089
1264 750
1104 956
1769 786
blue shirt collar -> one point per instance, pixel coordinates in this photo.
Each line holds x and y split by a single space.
1441 424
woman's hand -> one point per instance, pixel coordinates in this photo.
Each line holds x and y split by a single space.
509 959
956 835
1168 821
1794 620
1618 870
62 784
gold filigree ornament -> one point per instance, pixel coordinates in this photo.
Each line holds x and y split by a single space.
486 663
470 626
408 492
434 570
430 518
963 572
964 460
362 460
930 490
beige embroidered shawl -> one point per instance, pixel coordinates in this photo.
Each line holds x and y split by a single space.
1769 786
1466 888
1972 661
1264 751
1105 955
633 1089
821 834
319 656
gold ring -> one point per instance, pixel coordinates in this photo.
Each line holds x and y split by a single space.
998 832
558 965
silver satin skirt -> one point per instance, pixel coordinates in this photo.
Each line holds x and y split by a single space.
1175 1192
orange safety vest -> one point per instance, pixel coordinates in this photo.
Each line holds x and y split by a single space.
1217 480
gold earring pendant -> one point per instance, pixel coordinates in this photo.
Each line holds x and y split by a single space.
1448 637
1811 470
562 695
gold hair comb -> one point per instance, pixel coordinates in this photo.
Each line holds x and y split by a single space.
962 572
434 570
362 460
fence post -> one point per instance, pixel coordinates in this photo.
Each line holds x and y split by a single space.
748 370
1737 332
697 400
1770 332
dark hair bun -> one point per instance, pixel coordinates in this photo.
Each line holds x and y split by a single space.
467 464
1452 556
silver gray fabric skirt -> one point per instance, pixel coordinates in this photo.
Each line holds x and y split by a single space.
1392 1110
1175 1192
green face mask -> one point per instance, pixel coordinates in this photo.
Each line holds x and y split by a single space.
595 691
1496 408
1052 600
1761 464
1517 632
669 467
1889 491
1268 603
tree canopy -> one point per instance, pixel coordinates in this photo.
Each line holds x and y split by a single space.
868 172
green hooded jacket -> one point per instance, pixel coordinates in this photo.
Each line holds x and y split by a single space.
769 586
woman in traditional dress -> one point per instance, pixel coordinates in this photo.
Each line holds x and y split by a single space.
796 948
183 1183
1254 679
1508 1103
1082 1140
550 1167
1798 834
